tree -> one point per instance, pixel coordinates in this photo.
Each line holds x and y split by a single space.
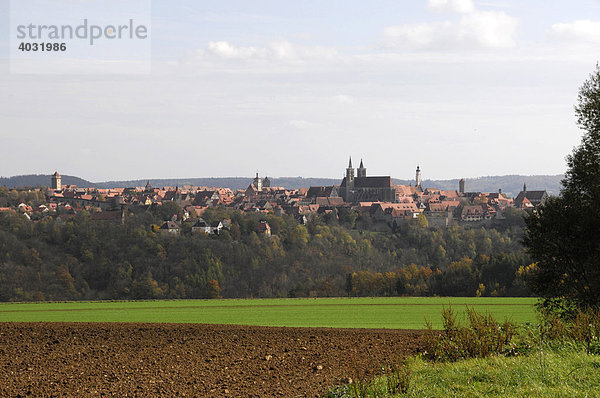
167 210
563 235
213 289
298 237
349 285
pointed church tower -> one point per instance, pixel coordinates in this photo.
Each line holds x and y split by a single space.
257 182
524 187
418 177
362 171
349 173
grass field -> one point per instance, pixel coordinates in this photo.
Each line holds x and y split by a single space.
390 313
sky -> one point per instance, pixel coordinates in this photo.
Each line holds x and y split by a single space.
462 88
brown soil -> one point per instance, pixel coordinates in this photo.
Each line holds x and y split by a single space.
186 360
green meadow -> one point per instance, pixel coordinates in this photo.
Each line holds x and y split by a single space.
388 313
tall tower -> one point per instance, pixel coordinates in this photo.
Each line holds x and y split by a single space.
361 171
461 186
349 172
418 177
56 181
524 187
257 182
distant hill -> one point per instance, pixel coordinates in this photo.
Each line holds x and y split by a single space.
510 184
225 182
42 180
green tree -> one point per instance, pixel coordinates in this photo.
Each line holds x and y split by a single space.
563 235
299 236
167 210
349 285
146 287
347 217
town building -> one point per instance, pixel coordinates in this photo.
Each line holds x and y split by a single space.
530 199
361 188
56 181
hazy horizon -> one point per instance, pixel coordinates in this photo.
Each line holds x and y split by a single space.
275 177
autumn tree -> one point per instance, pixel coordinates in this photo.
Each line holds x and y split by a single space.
563 235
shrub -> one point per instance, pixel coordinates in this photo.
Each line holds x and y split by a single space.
582 328
481 337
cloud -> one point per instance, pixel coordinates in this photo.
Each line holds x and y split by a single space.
302 124
277 50
460 6
344 99
473 30
495 4
225 50
584 31
490 29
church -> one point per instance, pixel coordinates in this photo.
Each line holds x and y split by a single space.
361 188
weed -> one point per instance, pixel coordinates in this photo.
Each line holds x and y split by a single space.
481 337
583 328
397 377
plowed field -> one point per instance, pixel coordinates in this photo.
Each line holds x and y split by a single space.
188 360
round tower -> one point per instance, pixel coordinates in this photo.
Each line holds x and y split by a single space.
418 177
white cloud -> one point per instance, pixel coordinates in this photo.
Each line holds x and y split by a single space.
277 50
344 99
223 49
490 29
476 29
302 124
495 4
460 6
420 35
585 31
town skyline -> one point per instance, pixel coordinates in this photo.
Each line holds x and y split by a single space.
551 183
387 203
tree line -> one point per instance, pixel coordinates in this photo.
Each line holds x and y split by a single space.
80 258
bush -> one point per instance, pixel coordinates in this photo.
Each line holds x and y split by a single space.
583 328
483 336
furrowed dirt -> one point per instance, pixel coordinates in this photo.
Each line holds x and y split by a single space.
189 360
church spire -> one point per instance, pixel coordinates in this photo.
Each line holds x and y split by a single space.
362 171
350 171
257 182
